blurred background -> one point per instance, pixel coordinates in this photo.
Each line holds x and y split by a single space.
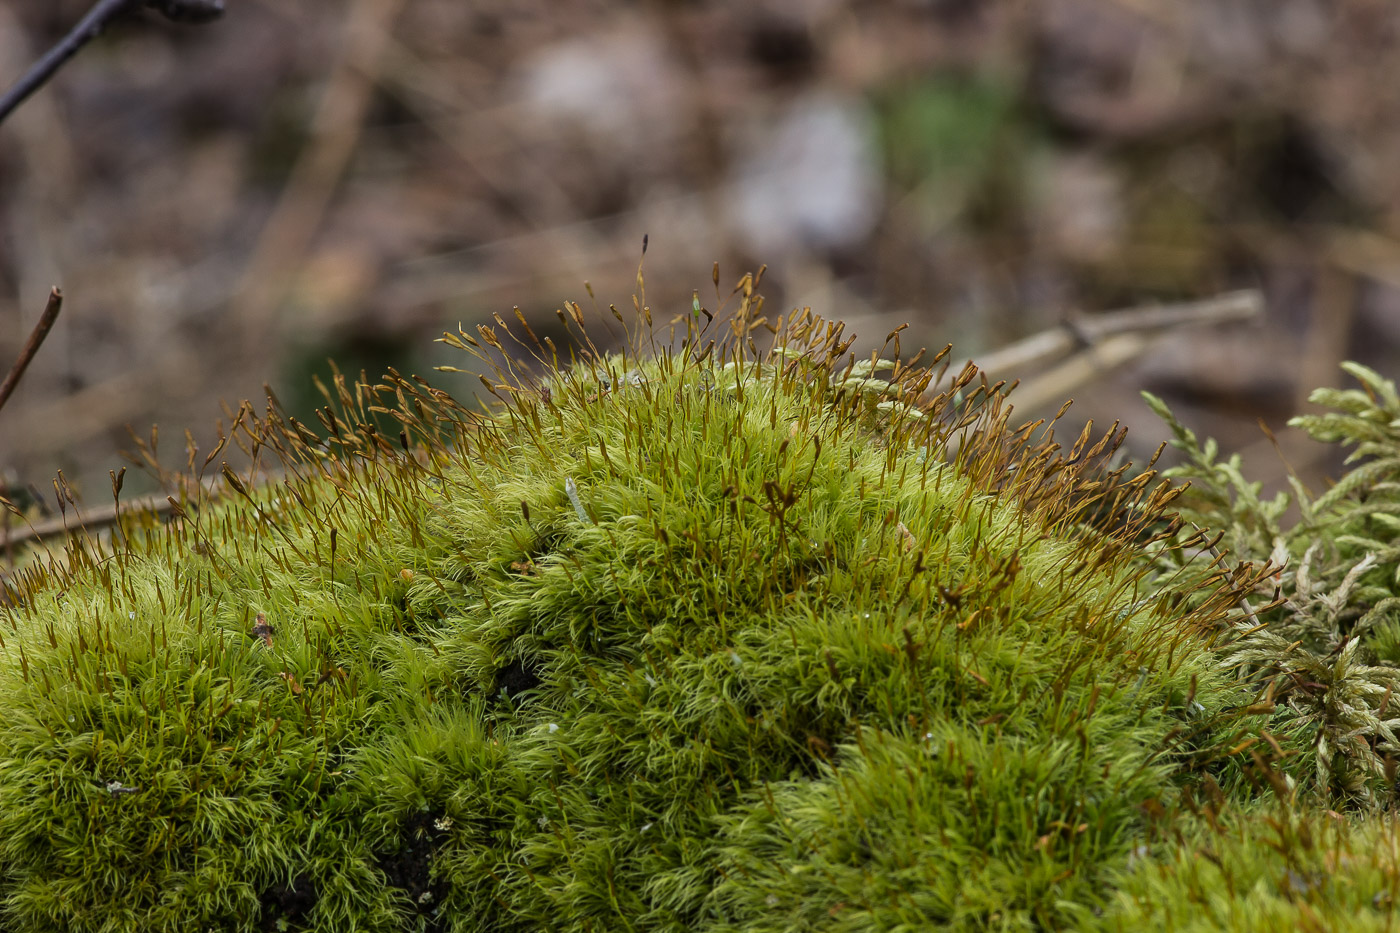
229 205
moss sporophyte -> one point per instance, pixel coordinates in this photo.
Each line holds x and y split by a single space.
710 638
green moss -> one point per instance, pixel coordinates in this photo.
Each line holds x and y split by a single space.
1266 870
717 640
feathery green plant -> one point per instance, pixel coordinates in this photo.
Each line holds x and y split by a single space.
1322 638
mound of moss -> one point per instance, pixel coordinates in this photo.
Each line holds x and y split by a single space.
716 640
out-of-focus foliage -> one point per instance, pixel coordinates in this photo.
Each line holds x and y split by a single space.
950 142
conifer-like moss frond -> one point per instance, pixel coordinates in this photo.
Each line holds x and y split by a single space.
1319 639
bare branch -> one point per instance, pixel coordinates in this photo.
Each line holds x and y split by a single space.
188 11
31 346
1088 330
90 27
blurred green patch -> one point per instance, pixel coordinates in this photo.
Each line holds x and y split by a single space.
954 144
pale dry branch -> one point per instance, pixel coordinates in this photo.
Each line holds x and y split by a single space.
1083 331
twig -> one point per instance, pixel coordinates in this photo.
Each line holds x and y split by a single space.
31 346
188 11
90 27
1089 329
1056 385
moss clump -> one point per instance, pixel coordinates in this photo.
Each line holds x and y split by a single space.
716 640
1284 869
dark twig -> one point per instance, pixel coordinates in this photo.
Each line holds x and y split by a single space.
31 346
90 27
188 11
